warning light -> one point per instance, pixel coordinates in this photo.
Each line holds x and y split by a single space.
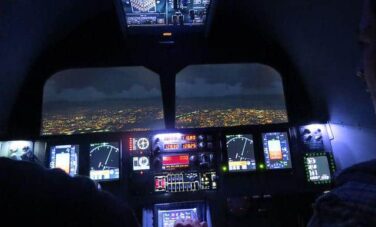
261 166
224 168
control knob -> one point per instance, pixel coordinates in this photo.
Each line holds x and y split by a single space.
205 160
157 164
194 159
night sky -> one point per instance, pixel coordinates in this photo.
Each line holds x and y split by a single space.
228 80
102 83
139 83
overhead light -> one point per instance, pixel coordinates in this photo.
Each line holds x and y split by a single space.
167 34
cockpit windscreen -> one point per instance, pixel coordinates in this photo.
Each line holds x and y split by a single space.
97 100
229 95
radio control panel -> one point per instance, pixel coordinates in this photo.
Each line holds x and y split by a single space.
174 162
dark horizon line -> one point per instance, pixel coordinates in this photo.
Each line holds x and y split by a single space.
154 98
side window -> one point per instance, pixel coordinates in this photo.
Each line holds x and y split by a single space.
94 100
226 95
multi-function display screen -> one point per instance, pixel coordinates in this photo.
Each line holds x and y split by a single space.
65 157
17 150
104 161
317 168
240 152
167 218
276 150
165 12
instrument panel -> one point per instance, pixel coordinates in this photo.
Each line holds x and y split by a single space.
161 172
183 161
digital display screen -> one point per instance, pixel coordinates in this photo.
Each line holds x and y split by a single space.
240 152
167 218
65 157
171 146
189 137
18 150
276 150
188 146
104 161
175 162
165 12
138 144
141 163
317 168
174 142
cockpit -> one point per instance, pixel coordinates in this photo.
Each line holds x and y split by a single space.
191 109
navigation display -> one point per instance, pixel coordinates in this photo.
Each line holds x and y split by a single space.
17 150
165 12
317 169
65 157
240 152
276 150
167 218
104 161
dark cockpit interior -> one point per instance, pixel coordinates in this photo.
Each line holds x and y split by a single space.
229 112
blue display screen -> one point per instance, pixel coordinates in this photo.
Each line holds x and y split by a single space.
167 218
276 150
165 12
65 157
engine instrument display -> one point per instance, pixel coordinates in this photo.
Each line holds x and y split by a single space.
65 157
165 12
167 218
276 150
240 152
104 161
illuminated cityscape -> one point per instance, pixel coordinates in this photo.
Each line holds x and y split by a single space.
230 111
228 117
68 119
117 116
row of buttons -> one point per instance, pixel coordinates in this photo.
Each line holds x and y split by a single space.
175 178
182 187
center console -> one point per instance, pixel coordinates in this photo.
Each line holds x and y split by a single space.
174 162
